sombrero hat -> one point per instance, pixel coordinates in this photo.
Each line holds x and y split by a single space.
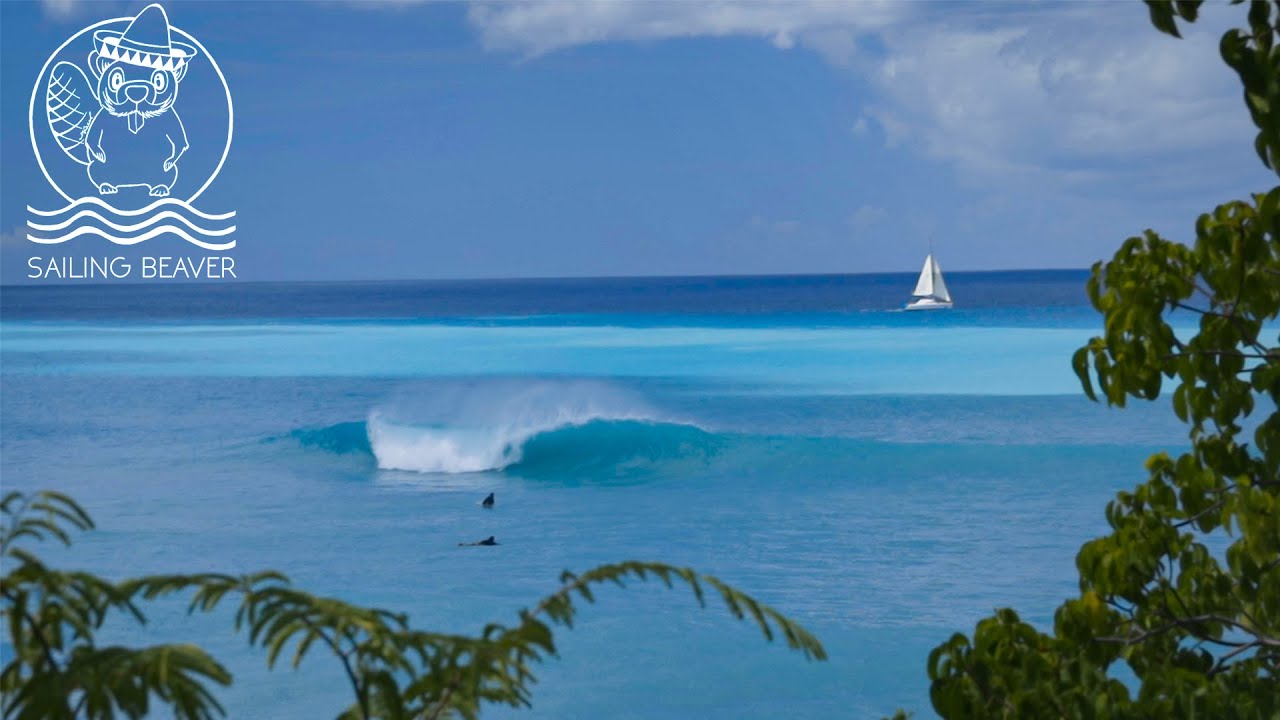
145 42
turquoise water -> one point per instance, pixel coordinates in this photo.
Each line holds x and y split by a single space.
885 478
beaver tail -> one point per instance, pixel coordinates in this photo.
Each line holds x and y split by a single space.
71 103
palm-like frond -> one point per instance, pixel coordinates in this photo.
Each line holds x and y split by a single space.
396 672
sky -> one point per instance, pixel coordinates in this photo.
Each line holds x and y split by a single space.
405 139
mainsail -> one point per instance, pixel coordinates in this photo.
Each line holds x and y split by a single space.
931 283
939 285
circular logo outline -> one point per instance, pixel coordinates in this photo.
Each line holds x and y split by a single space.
31 107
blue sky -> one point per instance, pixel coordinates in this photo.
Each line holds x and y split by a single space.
431 140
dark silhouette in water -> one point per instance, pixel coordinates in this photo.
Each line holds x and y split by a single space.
487 541
488 501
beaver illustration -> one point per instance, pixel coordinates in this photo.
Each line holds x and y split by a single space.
134 137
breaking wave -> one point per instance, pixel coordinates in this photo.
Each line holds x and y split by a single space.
592 446
544 428
573 447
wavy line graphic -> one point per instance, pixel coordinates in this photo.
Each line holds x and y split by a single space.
154 232
130 213
167 214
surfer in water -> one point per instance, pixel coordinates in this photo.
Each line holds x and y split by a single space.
487 502
487 541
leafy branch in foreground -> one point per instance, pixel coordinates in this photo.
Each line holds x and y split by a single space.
1186 587
394 670
56 670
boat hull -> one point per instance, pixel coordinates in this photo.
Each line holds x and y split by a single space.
928 304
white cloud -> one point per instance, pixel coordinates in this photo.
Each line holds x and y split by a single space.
868 216
59 9
895 131
17 237
69 10
1069 86
537 28
1051 92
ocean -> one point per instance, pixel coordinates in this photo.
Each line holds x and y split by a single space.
884 478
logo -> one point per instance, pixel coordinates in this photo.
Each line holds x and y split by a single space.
131 121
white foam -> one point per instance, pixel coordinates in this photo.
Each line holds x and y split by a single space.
486 426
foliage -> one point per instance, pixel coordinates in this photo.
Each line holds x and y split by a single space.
1186 587
394 670
56 670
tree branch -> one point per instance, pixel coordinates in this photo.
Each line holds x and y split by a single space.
35 628
361 699
444 697
1259 638
1222 661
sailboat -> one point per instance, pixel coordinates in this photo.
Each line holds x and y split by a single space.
931 290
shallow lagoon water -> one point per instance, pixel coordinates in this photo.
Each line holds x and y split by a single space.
884 478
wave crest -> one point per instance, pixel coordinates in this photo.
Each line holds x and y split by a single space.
581 444
523 427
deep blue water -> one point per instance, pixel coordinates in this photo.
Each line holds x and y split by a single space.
766 298
886 478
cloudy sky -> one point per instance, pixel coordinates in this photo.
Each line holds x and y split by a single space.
505 139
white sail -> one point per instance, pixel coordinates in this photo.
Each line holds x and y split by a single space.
931 290
939 285
924 286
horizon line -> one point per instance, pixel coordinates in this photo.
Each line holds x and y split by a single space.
509 278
